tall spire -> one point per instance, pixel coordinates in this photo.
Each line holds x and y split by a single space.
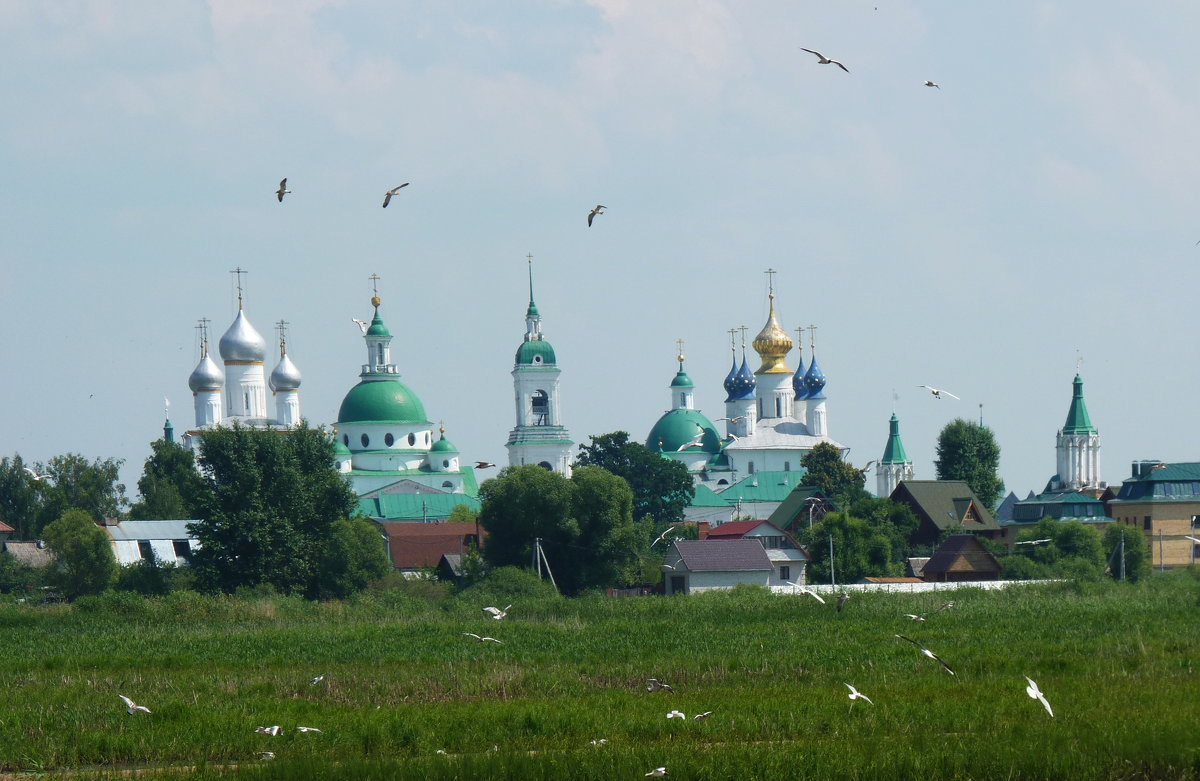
1078 420
239 271
893 452
533 318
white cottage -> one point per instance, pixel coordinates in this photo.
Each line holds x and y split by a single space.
788 557
168 542
705 565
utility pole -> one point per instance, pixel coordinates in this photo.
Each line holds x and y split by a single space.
1161 564
1122 554
832 579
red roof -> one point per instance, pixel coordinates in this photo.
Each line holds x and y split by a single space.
415 545
732 529
4 527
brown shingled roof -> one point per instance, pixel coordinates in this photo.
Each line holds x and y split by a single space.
416 545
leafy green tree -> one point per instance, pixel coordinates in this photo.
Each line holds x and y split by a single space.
74 483
461 513
837 479
662 487
83 557
20 501
894 520
1130 542
16 577
265 514
1074 550
353 556
968 451
858 549
169 484
585 524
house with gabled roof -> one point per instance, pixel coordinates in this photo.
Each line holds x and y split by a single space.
961 558
706 565
802 507
788 557
944 504
164 542
413 547
408 500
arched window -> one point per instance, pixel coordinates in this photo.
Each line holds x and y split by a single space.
682 399
379 354
540 407
447 484
546 465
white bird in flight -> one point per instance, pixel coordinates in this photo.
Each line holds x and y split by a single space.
675 714
484 465
362 324
702 716
938 392
483 639
658 772
387 198
805 590
696 441
592 214
663 537
928 653
307 729
131 706
931 84
1033 691
35 475
272 730
855 694
283 190
823 60
653 685
496 612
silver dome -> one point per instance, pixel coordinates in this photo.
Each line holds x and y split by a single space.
285 376
207 375
241 342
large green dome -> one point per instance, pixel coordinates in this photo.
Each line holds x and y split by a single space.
535 352
680 426
383 400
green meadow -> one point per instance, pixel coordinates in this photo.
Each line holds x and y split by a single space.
1118 663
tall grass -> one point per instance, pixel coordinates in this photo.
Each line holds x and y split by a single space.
402 682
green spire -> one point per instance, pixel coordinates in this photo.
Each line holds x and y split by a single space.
1078 421
533 310
894 452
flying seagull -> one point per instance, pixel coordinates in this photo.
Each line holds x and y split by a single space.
676 715
915 617
484 465
663 537
735 419
863 472
387 198
598 210
653 685
804 590
928 653
696 441
307 729
702 716
938 393
35 475
842 600
1033 691
658 772
823 60
483 639
272 730
362 324
855 694
496 612
132 707
931 84
283 190
317 680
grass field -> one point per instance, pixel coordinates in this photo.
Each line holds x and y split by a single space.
1118 663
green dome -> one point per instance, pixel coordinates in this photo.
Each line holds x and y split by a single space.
529 352
682 380
385 400
680 426
443 446
377 327
339 448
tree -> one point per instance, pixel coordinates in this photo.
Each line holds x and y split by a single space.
662 487
20 502
269 501
1126 547
826 469
461 513
83 558
73 483
353 556
585 524
168 485
858 549
1073 550
894 520
968 451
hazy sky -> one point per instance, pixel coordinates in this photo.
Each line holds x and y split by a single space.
1040 206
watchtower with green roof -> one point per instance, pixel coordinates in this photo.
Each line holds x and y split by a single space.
895 464
539 436
1078 448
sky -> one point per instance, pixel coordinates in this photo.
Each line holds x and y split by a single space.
1034 215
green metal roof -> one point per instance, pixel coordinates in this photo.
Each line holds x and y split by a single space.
1078 421
893 452
678 427
530 350
1061 506
443 445
377 328
682 380
1163 483
764 487
414 507
705 497
388 401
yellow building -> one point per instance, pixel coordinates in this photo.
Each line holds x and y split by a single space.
1163 500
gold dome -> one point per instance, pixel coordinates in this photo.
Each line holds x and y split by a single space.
772 344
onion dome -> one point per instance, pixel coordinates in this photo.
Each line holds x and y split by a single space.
387 400
731 381
679 427
377 328
207 376
535 352
241 342
798 383
814 380
744 382
286 376
443 445
773 344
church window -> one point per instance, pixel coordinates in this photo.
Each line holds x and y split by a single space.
537 359
546 465
787 466
683 399
760 408
750 468
722 481
445 464
447 484
346 440
379 353
412 439
540 406
389 440
365 440
778 407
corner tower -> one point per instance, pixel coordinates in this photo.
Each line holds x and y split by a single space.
895 464
539 436
1078 447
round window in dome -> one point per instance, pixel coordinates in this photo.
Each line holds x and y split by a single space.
412 439
389 440
537 359
365 440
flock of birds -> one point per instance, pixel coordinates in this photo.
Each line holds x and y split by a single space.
823 60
